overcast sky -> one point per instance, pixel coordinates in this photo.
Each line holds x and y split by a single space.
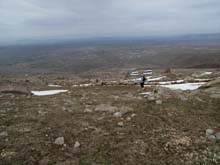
59 19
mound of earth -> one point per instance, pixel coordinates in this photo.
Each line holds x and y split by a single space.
212 88
14 89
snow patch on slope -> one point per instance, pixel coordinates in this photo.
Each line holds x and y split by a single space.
47 93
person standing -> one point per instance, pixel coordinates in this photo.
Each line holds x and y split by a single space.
143 79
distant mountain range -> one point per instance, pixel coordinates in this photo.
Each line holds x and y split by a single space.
201 38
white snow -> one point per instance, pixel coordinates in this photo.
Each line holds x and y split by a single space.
202 80
134 74
52 85
137 80
85 85
206 73
156 79
186 86
46 93
145 93
148 73
171 82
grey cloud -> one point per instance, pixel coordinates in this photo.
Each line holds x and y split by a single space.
44 19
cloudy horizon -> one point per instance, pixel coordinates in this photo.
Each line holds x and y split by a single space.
75 19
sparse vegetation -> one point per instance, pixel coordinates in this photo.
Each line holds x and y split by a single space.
110 124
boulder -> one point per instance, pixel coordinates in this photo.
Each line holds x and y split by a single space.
209 132
211 138
59 141
158 102
121 124
77 144
118 114
217 135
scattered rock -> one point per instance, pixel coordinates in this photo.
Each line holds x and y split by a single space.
77 144
121 124
88 110
177 142
209 132
133 115
59 141
211 137
217 135
4 134
184 141
159 102
128 119
117 114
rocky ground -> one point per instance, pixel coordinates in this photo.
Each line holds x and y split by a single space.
103 123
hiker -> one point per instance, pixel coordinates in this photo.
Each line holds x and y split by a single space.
143 79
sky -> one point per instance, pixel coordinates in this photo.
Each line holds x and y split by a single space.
78 19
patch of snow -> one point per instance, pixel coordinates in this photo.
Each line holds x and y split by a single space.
137 80
145 93
179 81
148 73
135 73
46 93
171 82
52 85
206 73
186 86
155 79
85 85
202 80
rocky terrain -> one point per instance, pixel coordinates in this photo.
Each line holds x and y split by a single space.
106 118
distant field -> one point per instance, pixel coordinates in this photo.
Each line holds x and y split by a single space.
84 57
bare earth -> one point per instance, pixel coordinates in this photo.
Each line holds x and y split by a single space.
107 124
